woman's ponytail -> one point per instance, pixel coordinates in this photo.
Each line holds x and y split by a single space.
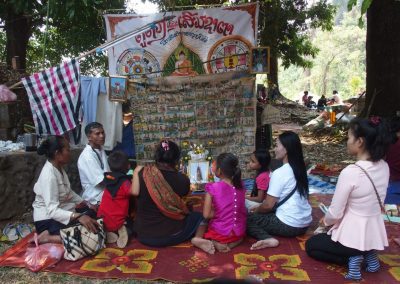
237 178
229 166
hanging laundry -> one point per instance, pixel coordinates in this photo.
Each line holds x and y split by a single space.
109 114
54 98
90 89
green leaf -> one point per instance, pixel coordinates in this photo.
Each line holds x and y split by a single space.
360 22
365 5
351 4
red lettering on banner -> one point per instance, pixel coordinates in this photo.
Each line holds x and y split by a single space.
189 20
186 20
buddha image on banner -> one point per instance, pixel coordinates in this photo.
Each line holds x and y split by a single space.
193 42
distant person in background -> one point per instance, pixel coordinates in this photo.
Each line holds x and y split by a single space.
321 103
310 103
336 99
304 99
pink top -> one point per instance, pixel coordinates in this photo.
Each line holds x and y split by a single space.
262 181
229 209
355 212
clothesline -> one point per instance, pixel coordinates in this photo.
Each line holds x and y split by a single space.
163 70
115 41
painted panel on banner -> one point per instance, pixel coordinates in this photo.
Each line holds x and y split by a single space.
195 42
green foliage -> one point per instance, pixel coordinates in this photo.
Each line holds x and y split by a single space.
340 63
284 26
364 7
74 27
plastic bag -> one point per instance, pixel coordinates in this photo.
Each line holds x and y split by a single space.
6 95
42 256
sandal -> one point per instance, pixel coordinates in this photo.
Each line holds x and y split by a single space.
23 230
10 231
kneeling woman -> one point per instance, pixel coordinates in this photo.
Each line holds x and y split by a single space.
355 212
287 193
55 202
162 217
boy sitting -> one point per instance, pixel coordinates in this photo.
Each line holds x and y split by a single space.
114 206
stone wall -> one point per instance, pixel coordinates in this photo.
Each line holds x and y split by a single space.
19 172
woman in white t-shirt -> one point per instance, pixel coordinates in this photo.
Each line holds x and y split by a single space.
288 189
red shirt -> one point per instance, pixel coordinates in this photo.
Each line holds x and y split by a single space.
115 210
393 160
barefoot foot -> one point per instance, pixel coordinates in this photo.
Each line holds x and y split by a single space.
204 244
221 247
267 243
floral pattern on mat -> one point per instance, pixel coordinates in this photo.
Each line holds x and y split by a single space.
133 261
280 266
196 262
393 260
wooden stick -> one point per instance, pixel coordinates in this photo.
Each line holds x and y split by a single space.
349 108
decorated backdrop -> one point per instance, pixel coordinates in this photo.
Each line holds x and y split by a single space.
195 42
216 111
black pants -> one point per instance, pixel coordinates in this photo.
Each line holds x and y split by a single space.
321 247
262 226
192 222
54 226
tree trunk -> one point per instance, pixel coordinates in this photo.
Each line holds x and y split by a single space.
273 70
383 58
18 31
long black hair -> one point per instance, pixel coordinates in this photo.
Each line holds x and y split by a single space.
292 144
229 166
51 145
394 128
264 159
375 132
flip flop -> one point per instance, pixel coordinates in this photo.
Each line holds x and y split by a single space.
10 231
23 230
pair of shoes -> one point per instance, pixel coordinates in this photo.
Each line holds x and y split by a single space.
10 231
23 230
111 237
122 237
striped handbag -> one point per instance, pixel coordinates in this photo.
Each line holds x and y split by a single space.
79 242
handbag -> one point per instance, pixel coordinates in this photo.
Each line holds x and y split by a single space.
79 242
376 192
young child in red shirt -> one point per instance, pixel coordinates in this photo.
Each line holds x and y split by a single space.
114 206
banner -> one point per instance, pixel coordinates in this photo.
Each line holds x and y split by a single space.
195 42
215 110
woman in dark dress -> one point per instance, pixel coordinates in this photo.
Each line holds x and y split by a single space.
162 217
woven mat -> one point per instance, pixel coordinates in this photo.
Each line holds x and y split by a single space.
184 263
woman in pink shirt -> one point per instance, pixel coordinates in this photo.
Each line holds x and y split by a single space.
358 229
224 207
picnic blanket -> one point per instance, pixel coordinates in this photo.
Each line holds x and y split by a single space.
183 263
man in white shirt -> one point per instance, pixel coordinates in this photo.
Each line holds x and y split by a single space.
336 99
92 164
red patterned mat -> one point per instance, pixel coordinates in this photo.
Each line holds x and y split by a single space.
184 263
